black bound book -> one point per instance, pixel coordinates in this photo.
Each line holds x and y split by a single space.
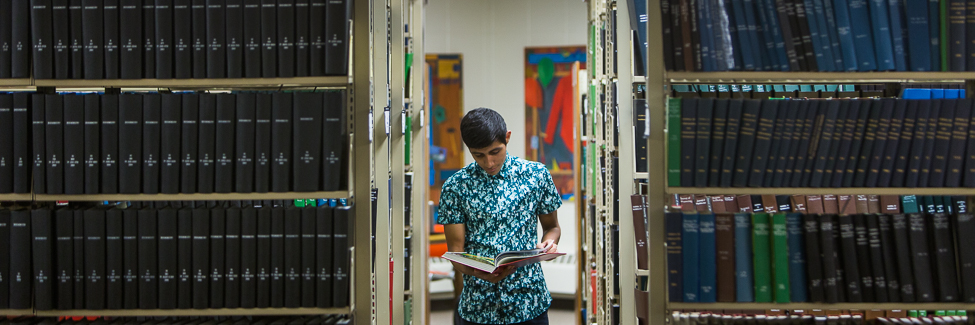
20 41
224 145
168 268
39 165
148 259
218 227
184 258
198 14
964 225
248 257
702 142
6 144
879 146
927 149
334 140
94 38
316 35
130 143
903 155
189 139
216 39
232 259
5 46
182 44
889 156
281 142
863 256
746 141
61 41
54 136
263 261
113 259
959 135
869 137
207 144
262 143
244 168
918 236
20 259
79 259
42 251
149 38
234 38
942 143
110 16
786 145
252 38
343 215
76 29
813 265
130 258
801 140
42 34
826 146
169 146
944 257
151 131
269 38
292 257
130 39
888 257
286 38
324 249
92 167
21 147
848 251
277 257
201 257
309 242
338 12
95 258
876 258
301 37
763 143
969 172
308 126
63 276
164 43
110 144
851 112
74 144
5 259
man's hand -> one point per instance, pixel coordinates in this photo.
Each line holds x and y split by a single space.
497 276
552 246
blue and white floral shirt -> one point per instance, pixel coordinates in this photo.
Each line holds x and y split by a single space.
500 213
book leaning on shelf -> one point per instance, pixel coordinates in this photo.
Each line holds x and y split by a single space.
509 258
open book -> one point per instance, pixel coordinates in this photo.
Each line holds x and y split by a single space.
513 258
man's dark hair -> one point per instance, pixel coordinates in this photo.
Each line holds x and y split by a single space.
481 127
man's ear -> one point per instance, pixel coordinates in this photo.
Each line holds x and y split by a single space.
507 136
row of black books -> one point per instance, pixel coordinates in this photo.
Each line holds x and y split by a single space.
817 35
172 143
819 316
166 39
820 143
829 248
236 320
177 256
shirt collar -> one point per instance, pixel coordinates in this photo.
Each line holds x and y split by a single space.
505 169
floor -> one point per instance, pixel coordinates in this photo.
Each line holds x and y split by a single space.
555 316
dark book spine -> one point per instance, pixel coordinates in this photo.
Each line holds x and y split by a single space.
201 258
746 141
54 136
334 140
113 259
130 258
37 141
20 259
164 43
876 258
835 143
849 252
232 259
826 146
78 239
870 135
309 272
688 128
235 38
218 227
341 261
169 146
263 265
730 142
853 159
110 16
189 138
302 41
277 257
785 131
964 224
903 150
207 145
149 39
281 142
763 143
930 138
76 29
130 39
942 143
5 259
880 144
719 120
286 38
316 37
338 15
110 144
852 110
216 38
248 257
95 259
863 256
130 143
64 262
92 129
198 14
269 38
969 173
292 258
889 257
166 244
184 258
956 35
702 142
814 262
151 131
673 226
42 34
944 258
6 144
42 253
959 135
307 134
21 160
20 40
224 145
74 144
252 38
182 44
262 143
148 259
6 33
245 160
61 41
924 284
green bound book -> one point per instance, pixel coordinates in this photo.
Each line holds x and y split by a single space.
673 142
780 258
909 204
761 258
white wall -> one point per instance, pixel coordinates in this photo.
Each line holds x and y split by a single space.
492 36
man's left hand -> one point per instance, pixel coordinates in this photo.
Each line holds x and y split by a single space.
552 246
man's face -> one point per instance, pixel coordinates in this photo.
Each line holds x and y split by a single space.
491 158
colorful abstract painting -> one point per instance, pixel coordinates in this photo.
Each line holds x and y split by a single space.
551 106
445 94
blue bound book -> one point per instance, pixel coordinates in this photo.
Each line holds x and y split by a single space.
767 35
881 35
745 281
744 37
898 32
862 35
934 34
704 28
758 45
824 44
707 259
734 36
845 33
797 259
917 32
954 93
834 36
937 93
814 35
673 224
691 257
773 17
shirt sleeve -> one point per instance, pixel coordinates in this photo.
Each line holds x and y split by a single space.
450 211
549 199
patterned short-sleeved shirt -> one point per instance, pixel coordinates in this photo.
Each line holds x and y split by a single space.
500 213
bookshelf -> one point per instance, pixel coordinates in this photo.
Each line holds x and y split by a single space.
777 77
195 312
822 191
195 197
235 83
837 306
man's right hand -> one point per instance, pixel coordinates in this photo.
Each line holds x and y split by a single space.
495 277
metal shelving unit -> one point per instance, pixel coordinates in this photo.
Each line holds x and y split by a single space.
194 197
822 191
236 83
195 312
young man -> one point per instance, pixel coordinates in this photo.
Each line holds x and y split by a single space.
492 206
